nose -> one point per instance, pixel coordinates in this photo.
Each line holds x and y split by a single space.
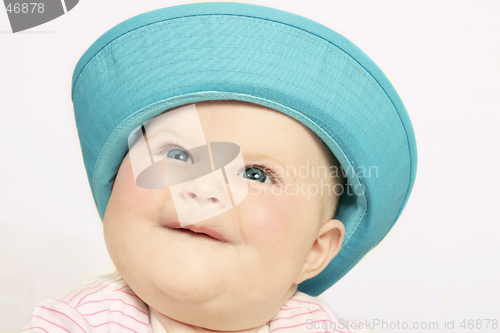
203 194
209 191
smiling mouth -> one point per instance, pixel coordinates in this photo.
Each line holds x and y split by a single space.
198 231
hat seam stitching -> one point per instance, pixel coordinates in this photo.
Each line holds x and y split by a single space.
344 54
269 64
202 16
144 29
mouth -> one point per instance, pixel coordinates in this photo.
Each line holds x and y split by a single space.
202 232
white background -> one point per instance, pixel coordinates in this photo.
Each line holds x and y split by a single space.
440 261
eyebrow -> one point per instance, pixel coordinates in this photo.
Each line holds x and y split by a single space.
161 132
186 142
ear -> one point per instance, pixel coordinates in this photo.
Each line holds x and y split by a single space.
324 249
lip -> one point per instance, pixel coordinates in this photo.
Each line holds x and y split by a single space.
197 229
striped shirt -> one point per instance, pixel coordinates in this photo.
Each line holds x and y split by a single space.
107 304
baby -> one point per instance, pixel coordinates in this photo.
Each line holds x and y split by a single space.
256 253
213 136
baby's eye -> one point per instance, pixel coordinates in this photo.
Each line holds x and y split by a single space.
257 174
179 154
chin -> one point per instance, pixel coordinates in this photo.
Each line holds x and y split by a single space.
213 306
224 316
184 288
193 296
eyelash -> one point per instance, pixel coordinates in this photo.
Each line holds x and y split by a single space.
167 145
269 173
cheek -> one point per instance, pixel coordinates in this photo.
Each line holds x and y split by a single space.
271 218
130 213
130 200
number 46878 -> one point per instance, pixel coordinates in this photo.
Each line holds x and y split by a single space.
25 7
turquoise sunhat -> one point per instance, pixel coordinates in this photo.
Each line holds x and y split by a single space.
230 51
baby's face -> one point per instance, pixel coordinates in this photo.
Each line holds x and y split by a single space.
267 244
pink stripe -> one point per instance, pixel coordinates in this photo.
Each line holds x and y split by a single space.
113 299
296 307
126 315
52 323
34 327
316 321
63 315
103 280
310 303
300 314
87 284
112 322
96 291
77 289
300 301
128 293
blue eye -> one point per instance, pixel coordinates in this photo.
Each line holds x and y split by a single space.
255 174
179 154
258 174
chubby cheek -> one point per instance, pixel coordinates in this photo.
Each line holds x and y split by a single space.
270 219
129 215
130 200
